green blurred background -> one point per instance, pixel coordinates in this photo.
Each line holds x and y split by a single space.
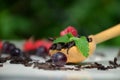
20 19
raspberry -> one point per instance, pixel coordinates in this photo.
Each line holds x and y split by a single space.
28 45
62 33
45 43
1 44
38 43
69 29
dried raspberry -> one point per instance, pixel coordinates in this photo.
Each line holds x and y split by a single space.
28 45
69 29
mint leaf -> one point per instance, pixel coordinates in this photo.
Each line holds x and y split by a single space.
82 45
70 35
65 38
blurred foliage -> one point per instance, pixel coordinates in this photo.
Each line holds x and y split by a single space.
20 19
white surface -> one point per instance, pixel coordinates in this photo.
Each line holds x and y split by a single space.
13 71
19 72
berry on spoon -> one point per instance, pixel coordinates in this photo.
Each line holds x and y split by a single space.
59 59
69 29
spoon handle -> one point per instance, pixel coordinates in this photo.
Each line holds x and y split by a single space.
107 34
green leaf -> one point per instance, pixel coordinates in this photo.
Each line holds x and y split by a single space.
82 45
70 35
65 38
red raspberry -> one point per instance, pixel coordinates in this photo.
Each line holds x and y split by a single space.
45 43
69 29
38 43
28 45
62 33
1 45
